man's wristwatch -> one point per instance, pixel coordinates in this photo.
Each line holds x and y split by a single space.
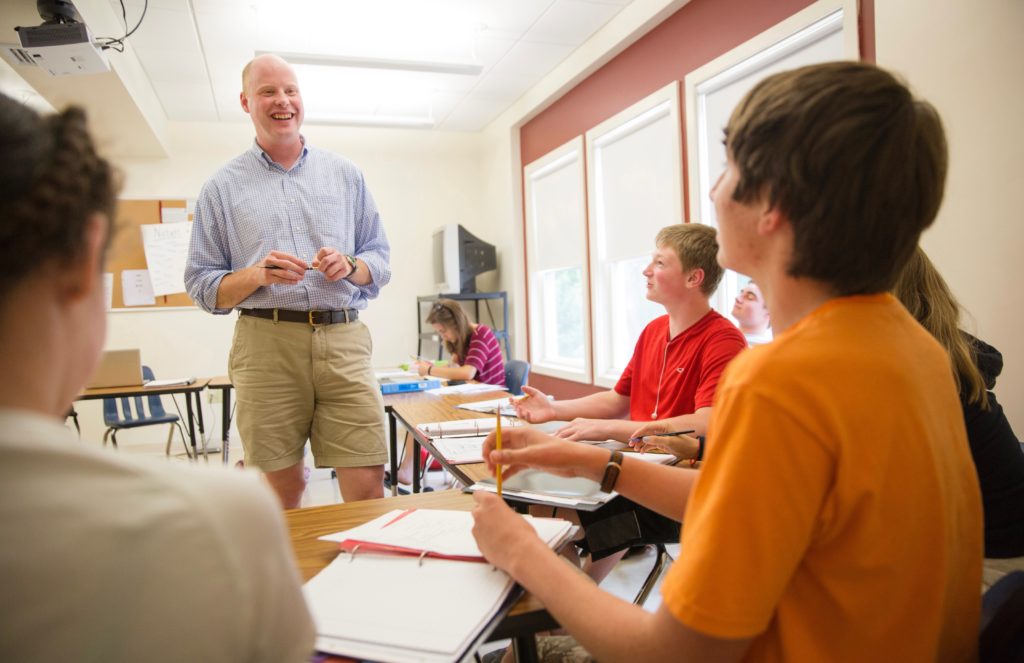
611 472
352 263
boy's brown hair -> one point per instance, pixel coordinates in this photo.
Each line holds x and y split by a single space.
855 163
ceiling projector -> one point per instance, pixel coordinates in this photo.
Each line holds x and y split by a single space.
62 45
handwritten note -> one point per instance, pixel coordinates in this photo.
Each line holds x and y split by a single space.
136 289
166 247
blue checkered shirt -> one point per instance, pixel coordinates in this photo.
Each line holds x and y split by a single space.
253 206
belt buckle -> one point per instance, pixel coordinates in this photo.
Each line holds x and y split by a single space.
311 323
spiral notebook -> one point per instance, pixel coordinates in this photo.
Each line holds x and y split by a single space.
457 595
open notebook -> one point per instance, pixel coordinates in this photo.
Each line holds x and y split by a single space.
461 441
450 602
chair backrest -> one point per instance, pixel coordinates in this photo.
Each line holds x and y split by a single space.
111 416
1001 636
517 374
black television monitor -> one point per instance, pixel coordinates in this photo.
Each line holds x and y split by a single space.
459 257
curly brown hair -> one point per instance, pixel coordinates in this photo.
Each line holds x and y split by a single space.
53 181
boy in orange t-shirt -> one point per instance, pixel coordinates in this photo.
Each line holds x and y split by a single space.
837 516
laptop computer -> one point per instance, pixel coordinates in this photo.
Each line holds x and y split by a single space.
117 368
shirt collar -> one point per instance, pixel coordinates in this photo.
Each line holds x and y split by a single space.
269 163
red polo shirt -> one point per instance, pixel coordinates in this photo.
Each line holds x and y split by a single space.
669 377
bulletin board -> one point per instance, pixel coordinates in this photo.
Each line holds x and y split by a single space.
127 252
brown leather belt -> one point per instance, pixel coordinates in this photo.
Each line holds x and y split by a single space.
307 317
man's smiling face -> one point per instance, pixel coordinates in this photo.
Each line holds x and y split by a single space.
271 98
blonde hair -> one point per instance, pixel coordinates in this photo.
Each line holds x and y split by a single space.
448 313
696 246
926 295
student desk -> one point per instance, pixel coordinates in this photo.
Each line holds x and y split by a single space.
423 408
524 616
189 390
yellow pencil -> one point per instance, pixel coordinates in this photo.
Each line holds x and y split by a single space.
497 445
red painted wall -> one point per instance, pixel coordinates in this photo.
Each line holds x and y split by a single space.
693 36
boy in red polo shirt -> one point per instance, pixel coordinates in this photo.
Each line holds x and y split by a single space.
678 358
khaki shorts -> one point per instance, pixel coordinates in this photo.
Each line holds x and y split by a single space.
297 382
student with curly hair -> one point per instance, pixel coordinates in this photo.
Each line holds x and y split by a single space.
105 558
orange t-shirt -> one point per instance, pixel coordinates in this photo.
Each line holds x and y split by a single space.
837 516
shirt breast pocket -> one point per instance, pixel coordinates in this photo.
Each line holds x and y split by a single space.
330 221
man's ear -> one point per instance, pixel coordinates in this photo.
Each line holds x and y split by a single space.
78 277
695 278
244 101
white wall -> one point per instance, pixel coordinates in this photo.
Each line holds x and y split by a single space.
965 57
420 181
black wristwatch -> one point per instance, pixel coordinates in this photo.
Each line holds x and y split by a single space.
352 262
611 472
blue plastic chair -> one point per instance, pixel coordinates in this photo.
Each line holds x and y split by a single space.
136 417
517 374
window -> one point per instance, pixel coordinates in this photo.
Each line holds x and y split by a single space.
824 31
634 186
556 243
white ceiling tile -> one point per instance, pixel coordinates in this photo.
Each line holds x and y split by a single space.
531 59
473 114
571 22
187 101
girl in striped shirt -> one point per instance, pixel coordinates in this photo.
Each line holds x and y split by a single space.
475 355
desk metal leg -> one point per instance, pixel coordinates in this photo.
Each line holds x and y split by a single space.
191 426
225 423
199 416
393 442
524 648
416 464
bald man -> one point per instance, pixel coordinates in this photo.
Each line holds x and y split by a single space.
290 236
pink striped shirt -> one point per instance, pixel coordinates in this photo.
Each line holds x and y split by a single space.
484 354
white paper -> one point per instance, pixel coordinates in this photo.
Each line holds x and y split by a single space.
440 531
458 450
356 616
171 382
468 388
108 289
166 246
173 215
136 288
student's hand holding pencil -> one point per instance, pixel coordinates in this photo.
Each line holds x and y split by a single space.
524 448
664 436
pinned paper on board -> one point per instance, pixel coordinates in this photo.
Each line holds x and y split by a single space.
108 289
166 247
173 215
136 288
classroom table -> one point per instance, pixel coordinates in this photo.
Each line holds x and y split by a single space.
423 408
189 390
523 616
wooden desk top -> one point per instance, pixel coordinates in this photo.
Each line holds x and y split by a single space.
141 390
312 555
